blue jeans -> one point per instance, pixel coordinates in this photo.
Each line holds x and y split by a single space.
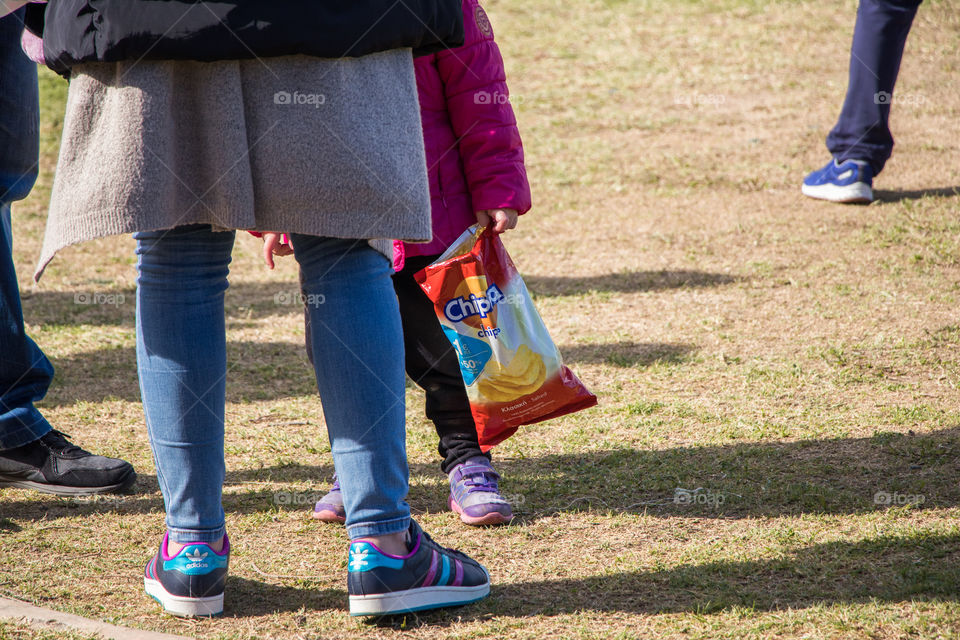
25 373
862 132
358 359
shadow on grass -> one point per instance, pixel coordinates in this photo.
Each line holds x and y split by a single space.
249 598
255 371
891 569
627 354
629 282
885 569
837 476
747 480
897 196
273 370
95 305
9 526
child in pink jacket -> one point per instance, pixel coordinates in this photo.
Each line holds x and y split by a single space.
476 171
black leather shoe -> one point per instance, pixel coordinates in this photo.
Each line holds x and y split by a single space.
54 465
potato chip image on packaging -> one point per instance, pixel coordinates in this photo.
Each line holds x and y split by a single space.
525 373
512 370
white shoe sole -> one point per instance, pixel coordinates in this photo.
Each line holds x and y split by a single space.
181 606
416 600
858 192
67 491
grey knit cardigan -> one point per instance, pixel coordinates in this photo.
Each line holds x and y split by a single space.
295 144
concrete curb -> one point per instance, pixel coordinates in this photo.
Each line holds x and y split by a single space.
18 611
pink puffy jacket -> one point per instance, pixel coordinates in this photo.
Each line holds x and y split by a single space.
474 153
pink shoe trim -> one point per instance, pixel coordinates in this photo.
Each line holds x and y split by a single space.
327 515
434 561
166 540
416 547
494 517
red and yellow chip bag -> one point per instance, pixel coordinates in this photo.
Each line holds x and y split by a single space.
512 370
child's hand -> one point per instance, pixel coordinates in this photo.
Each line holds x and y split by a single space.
499 219
273 245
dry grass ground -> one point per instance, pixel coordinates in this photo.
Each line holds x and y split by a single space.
790 358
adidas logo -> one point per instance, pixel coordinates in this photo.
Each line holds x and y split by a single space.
196 560
358 559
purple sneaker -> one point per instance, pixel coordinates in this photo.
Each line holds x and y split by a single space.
474 493
330 507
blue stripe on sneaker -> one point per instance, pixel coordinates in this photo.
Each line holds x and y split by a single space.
445 572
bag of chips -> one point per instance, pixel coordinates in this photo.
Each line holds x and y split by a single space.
512 370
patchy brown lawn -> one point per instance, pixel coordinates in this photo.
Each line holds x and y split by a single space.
795 361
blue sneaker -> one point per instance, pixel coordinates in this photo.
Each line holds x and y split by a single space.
190 583
429 577
850 181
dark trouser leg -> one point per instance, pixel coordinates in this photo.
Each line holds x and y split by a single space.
432 363
25 372
862 131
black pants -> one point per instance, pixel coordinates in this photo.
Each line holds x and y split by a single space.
432 363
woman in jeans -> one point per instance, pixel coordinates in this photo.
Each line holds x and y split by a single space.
288 135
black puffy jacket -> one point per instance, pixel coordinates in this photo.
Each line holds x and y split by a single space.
76 31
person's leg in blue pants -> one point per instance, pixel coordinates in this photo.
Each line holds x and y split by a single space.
861 142
181 354
25 372
357 347
32 454
358 358
862 132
